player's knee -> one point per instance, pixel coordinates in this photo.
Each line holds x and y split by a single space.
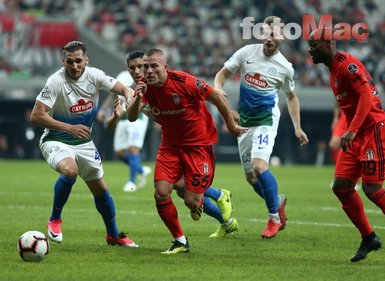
69 171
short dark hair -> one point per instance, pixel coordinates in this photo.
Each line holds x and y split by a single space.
134 55
73 46
152 51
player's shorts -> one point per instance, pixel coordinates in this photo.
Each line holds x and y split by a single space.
128 134
86 156
257 142
195 163
366 157
341 127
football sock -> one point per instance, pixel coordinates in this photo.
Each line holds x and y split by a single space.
212 209
258 189
354 209
135 166
169 214
105 206
378 198
213 193
62 191
182 239
270 191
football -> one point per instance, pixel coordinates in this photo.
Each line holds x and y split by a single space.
33 246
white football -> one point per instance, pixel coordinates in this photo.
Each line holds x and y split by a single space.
33 246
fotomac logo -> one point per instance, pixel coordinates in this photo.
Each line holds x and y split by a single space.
293 31
82 106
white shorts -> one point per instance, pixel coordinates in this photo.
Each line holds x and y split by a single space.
128 134
86 156
257 142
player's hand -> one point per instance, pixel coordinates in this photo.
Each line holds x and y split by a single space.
236 117
302 137
237 130
118 106
346 140
140 89
80 131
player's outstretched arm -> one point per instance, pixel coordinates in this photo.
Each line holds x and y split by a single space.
122 90
220 79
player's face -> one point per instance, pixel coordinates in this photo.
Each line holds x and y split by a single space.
271 45
135 67
155 70
75 64
318 50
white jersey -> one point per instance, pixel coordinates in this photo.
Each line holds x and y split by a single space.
73 102
261 79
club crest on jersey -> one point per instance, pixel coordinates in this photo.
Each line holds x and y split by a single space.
205 168
370 154
91 88
81 106
256 80
352 68
176 99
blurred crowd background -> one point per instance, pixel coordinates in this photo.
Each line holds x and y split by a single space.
197 36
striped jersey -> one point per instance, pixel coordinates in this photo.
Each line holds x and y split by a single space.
73 101
261 79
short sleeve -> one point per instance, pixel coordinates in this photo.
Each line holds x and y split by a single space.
234 63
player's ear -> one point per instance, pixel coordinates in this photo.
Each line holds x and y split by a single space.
166 66
86 60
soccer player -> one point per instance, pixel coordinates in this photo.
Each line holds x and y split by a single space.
220 209
66 107
176 100
363 142
264 71
129 136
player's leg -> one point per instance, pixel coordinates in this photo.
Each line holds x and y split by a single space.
121 144
347 171
167 172
255 148
91 171
61 158
136 135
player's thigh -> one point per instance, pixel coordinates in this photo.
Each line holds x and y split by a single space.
89 161
198 167
256 143
168 165
372 155
54 152
137 133
121 140
348 166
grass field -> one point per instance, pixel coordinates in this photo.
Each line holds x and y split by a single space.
316 245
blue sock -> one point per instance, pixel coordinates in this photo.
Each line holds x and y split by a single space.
270 191
135 166
210 208
105 206
258 189
213 193
62 191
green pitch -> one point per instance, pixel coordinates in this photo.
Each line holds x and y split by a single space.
316 245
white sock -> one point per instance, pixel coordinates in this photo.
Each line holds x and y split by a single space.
275 217
181 239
